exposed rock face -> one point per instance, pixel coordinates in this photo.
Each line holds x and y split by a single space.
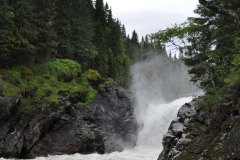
102 127
205 135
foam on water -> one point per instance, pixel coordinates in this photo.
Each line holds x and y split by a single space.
158 118
157 81
137 153
156 122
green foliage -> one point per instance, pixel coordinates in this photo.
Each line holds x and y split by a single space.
103 85
91 76
209 44
34 31
41 84
176 31
215 98
234 76
64 69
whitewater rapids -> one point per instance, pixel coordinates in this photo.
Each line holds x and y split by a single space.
158 118
158 84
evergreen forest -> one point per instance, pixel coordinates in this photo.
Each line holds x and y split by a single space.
209 43
51 42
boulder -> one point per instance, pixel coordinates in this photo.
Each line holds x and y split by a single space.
105 126
7 107
177 128
178 137
207 135
186 111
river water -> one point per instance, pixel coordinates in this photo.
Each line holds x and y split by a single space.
161 87
157 119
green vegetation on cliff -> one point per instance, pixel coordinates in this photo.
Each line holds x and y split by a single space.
41 84
34 31
43 43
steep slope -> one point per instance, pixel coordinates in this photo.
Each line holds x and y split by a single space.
200 134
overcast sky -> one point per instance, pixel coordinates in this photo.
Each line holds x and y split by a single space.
149 16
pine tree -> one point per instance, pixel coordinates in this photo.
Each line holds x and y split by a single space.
211 46
24 16
7 36
32 31
47 37
134 38
82 31
133 47
100 26
62 27
123 31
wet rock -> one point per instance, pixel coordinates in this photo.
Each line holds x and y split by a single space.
178 137
182 143
207 136
102 127
177 129
233 142
186 111
8 106
1 90
186 121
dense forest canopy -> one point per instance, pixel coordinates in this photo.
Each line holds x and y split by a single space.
34 31
54 47
210 44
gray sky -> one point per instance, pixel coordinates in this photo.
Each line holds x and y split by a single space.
149 16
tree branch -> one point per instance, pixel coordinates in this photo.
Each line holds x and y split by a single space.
220 10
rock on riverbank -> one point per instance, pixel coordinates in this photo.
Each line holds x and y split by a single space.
199 134
102 127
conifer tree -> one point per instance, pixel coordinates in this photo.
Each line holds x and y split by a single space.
24 18
134 38
7 36
100 26
82 31
47 37
62 26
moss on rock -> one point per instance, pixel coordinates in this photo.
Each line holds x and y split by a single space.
42 83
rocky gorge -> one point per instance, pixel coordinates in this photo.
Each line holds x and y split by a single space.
201 134
103 127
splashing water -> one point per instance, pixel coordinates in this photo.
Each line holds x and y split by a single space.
158 84
156 122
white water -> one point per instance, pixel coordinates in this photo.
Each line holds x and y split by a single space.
156 83
157 119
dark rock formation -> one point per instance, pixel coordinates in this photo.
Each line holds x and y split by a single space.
205 136
103 127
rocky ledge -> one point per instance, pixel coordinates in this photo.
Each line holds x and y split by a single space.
199 134
102 127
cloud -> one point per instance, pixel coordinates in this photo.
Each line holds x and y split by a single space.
152 15
149 21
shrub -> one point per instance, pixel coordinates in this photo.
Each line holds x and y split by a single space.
91 75
41 83
234 76
64 69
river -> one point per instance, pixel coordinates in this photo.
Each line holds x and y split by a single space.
161 87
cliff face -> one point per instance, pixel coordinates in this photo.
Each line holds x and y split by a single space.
198 134
102 127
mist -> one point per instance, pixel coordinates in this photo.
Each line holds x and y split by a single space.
161 86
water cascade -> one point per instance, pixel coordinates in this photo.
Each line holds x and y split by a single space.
161 86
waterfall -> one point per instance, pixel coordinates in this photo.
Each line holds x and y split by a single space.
161 86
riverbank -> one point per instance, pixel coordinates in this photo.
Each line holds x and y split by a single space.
55 108
201 134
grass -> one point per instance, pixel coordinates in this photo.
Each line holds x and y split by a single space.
41 84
